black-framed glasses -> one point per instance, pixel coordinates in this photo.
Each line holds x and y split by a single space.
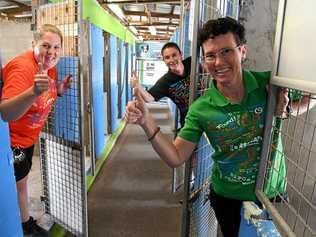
223 53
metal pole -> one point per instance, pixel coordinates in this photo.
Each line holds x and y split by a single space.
194 52
266 138
182 25
194 71
84 43
284 228
176 119
271 101
90 105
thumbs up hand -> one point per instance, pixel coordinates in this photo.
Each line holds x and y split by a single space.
41 80
134 80
136 110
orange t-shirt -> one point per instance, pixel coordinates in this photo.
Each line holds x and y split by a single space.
18 76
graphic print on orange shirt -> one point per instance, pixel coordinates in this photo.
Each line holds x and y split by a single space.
41 107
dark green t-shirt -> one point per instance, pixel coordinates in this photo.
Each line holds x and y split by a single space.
235 131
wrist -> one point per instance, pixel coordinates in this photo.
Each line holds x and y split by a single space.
156 131
34 91
289 109
149 126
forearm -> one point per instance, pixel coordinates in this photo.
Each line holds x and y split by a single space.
163 144
307 102
14 108
147 97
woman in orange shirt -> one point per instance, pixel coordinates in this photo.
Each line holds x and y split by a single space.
30 89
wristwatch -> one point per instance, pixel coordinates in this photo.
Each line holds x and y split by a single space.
289 109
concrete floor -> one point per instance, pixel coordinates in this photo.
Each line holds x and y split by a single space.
132 194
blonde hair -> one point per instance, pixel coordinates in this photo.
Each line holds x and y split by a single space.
47 28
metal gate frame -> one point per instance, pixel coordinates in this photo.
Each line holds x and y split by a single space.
63 160
278 82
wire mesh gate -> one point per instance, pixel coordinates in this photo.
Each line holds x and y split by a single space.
202 217
294 208
61 143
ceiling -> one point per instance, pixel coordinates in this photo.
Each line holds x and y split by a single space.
15 9
153 20
147 19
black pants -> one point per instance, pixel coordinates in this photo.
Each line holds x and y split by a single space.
227 212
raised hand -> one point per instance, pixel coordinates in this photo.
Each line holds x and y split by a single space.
64 85
136 110
282 103
41 80
134 80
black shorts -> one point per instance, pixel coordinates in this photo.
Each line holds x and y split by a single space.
22 161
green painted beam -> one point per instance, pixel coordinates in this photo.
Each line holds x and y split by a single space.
95 14
105 153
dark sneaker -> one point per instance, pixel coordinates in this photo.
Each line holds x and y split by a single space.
31 229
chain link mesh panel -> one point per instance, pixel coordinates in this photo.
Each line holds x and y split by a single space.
63 182
297 203
61 149
202 217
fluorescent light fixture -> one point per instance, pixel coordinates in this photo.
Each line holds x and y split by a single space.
23 15
152 30
117 11
133 29
8 7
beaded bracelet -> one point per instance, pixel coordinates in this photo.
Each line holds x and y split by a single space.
155 133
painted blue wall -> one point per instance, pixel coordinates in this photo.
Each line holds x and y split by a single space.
4 138
113 65
97 51
123 83
187 44
130 52
67 107
176 37
9 218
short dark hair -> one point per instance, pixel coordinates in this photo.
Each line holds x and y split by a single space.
215 27
170 45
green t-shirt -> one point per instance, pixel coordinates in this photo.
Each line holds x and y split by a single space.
236 131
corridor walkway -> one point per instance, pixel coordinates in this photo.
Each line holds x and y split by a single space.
132 194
